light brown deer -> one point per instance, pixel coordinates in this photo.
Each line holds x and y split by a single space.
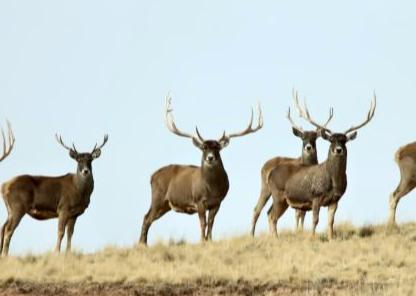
406 160
190 189
311 187
309 156
65 197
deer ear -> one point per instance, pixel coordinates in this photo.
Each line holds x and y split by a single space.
323 134
73 154
297 132
197 143
352 136
96 153
224 142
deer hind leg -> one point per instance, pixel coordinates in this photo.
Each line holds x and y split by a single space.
332 208
263 198
69 232
274 213
211 217
154 213
407 183
9 228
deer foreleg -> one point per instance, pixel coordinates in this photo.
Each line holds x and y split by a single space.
332 208
70 230
315 215
202 220
62 221
211 216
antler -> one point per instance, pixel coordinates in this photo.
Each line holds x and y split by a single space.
170 123
101 146
298 127
250 128
59 139
370 115
11 139
304 113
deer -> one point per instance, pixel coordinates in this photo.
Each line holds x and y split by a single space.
310 187
309 156
405 158
42 197
193 189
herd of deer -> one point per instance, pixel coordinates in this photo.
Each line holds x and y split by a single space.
301 183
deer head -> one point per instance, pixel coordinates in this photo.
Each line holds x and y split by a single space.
210 148
338 140
84 160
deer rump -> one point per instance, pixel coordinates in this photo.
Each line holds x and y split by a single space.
43 196
300 184
181 188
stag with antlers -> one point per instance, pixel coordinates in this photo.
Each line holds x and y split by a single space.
65 197
312 187
309 156
191 189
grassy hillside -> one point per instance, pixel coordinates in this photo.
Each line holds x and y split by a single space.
361 261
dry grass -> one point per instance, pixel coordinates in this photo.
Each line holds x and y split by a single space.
366 260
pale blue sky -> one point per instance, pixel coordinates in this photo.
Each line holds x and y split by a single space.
85 68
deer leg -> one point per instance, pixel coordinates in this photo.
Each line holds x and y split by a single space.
9 228
332 208
2 235
263 198
70 225
300 219
211 216
62 221
277 209
202 208
404 188
152 215
315 215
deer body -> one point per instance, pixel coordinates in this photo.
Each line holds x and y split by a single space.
406 160
42 197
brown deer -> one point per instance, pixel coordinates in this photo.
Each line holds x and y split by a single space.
309 156
65 197
190 189
406 159
311 187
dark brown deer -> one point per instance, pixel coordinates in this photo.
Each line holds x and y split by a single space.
406 160
309 156
190 189
65 197
311 187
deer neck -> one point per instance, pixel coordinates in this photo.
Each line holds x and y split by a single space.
309 158
213 174
336 166
84 184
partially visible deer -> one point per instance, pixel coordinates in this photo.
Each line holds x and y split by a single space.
314 186
406 159
309 156
190 189
65 197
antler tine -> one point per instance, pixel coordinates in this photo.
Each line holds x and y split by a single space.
304 113
298 127
250 128
7 149
101 146
59 139
331 115
170 123
370 115
199 135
